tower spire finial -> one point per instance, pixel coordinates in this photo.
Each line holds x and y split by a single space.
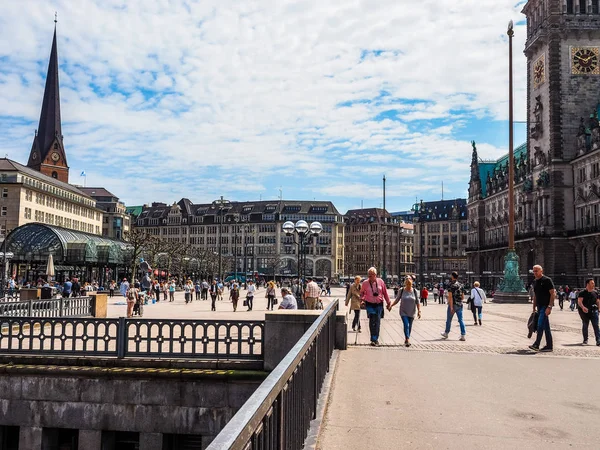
55 18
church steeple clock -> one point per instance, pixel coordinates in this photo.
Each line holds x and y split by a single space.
47 152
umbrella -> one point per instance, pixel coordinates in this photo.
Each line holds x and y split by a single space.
50 266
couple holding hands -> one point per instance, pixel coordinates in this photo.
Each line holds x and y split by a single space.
371 294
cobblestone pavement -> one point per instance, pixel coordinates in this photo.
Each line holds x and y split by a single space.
201 308
504 331
489 392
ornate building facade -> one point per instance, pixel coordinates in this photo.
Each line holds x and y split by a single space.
368 232
116 222
251 233
440 239
557 171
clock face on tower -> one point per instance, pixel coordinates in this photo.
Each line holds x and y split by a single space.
539 71
584 61
55 156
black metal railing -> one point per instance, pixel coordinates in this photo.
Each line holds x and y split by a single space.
278 414
122 338
54 307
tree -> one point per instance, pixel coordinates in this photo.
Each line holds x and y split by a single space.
139 240
273 265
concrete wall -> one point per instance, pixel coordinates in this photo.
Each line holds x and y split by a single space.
141 403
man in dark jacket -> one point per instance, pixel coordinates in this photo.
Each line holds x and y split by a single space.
543 298
589 303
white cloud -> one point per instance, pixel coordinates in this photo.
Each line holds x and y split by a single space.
199 99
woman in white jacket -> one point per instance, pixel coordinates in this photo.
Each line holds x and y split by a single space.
477 299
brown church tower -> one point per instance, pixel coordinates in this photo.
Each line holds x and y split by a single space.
48 153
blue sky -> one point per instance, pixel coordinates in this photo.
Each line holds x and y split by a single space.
168 99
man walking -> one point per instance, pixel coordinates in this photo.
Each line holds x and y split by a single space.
67 286
573 299
543 298
312 294
250 295
589 303
424 295
373 292
455 305
205 287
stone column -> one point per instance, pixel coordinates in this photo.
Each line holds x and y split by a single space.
151 441
30 438
90 439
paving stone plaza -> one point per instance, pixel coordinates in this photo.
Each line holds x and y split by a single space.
490 391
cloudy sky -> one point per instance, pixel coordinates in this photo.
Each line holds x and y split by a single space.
316 99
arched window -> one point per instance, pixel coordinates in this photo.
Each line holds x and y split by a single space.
54 174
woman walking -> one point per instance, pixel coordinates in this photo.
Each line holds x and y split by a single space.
409 304
172 291
214 291
353 297
270 295
234 295
477 299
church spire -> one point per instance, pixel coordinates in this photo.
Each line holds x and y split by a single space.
475 182
474 163
47 153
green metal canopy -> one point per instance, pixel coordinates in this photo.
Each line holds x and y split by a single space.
35 241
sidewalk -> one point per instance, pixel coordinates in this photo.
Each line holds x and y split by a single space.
389 399
489 392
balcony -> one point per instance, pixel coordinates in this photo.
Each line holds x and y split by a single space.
590 229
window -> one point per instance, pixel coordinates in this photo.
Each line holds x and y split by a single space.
569 6
3 213
582 6
60 438
4 192
9 437
594 7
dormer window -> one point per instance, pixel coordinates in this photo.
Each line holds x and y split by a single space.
292 208
247 209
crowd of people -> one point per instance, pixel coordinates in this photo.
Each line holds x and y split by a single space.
371 295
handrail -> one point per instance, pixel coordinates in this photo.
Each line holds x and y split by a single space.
241 428
137 338
51 307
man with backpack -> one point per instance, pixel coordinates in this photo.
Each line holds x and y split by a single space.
455 305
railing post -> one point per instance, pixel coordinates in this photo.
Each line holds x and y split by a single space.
122 337
30 307
61 306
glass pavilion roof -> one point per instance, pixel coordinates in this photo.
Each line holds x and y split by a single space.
35 241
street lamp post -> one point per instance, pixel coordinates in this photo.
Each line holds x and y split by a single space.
301 232
511 289
221 204
5 256
236 219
